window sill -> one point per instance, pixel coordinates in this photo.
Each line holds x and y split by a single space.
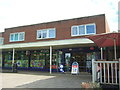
16 41
44 38
82 35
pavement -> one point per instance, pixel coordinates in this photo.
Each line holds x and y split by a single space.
30 79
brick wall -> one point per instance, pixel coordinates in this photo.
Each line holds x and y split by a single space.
63 28
1 34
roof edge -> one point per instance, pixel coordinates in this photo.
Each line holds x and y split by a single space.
55 21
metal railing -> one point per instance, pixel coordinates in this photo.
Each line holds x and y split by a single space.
106 72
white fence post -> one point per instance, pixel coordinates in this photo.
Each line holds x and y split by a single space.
93 71
111 71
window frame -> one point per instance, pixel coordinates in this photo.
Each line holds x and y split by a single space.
94 28
72 30
47 30
79 30
1 40
17 37
85 25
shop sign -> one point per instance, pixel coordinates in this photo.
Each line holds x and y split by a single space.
75 68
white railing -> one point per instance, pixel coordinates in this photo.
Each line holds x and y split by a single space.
106 72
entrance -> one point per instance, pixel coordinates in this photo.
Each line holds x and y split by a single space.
80 57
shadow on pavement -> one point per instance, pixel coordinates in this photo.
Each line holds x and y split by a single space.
60 81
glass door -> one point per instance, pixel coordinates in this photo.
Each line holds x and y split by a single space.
67 61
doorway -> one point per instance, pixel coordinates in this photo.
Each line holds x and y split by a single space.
80 57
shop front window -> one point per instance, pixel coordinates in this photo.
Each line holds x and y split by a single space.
55 60
0 60
22 59
37 59
8 59
41 59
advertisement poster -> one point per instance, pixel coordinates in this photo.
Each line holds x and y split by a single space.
8 63
37 63
22 63
75 68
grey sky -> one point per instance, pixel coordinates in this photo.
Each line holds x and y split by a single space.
24 12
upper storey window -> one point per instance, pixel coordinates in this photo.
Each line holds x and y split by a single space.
83 29
1 40
17 36
46 33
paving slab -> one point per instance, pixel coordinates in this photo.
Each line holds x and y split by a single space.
43 80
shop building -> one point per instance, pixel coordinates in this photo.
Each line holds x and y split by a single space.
45 46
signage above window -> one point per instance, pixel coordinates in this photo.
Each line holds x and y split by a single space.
46 33
79 30
17 36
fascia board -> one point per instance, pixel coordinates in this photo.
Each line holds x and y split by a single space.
48 43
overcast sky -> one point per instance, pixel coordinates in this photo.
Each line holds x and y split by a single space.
25 12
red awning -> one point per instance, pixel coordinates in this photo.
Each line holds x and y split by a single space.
106 40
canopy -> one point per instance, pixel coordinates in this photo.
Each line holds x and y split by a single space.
67 42
106 40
